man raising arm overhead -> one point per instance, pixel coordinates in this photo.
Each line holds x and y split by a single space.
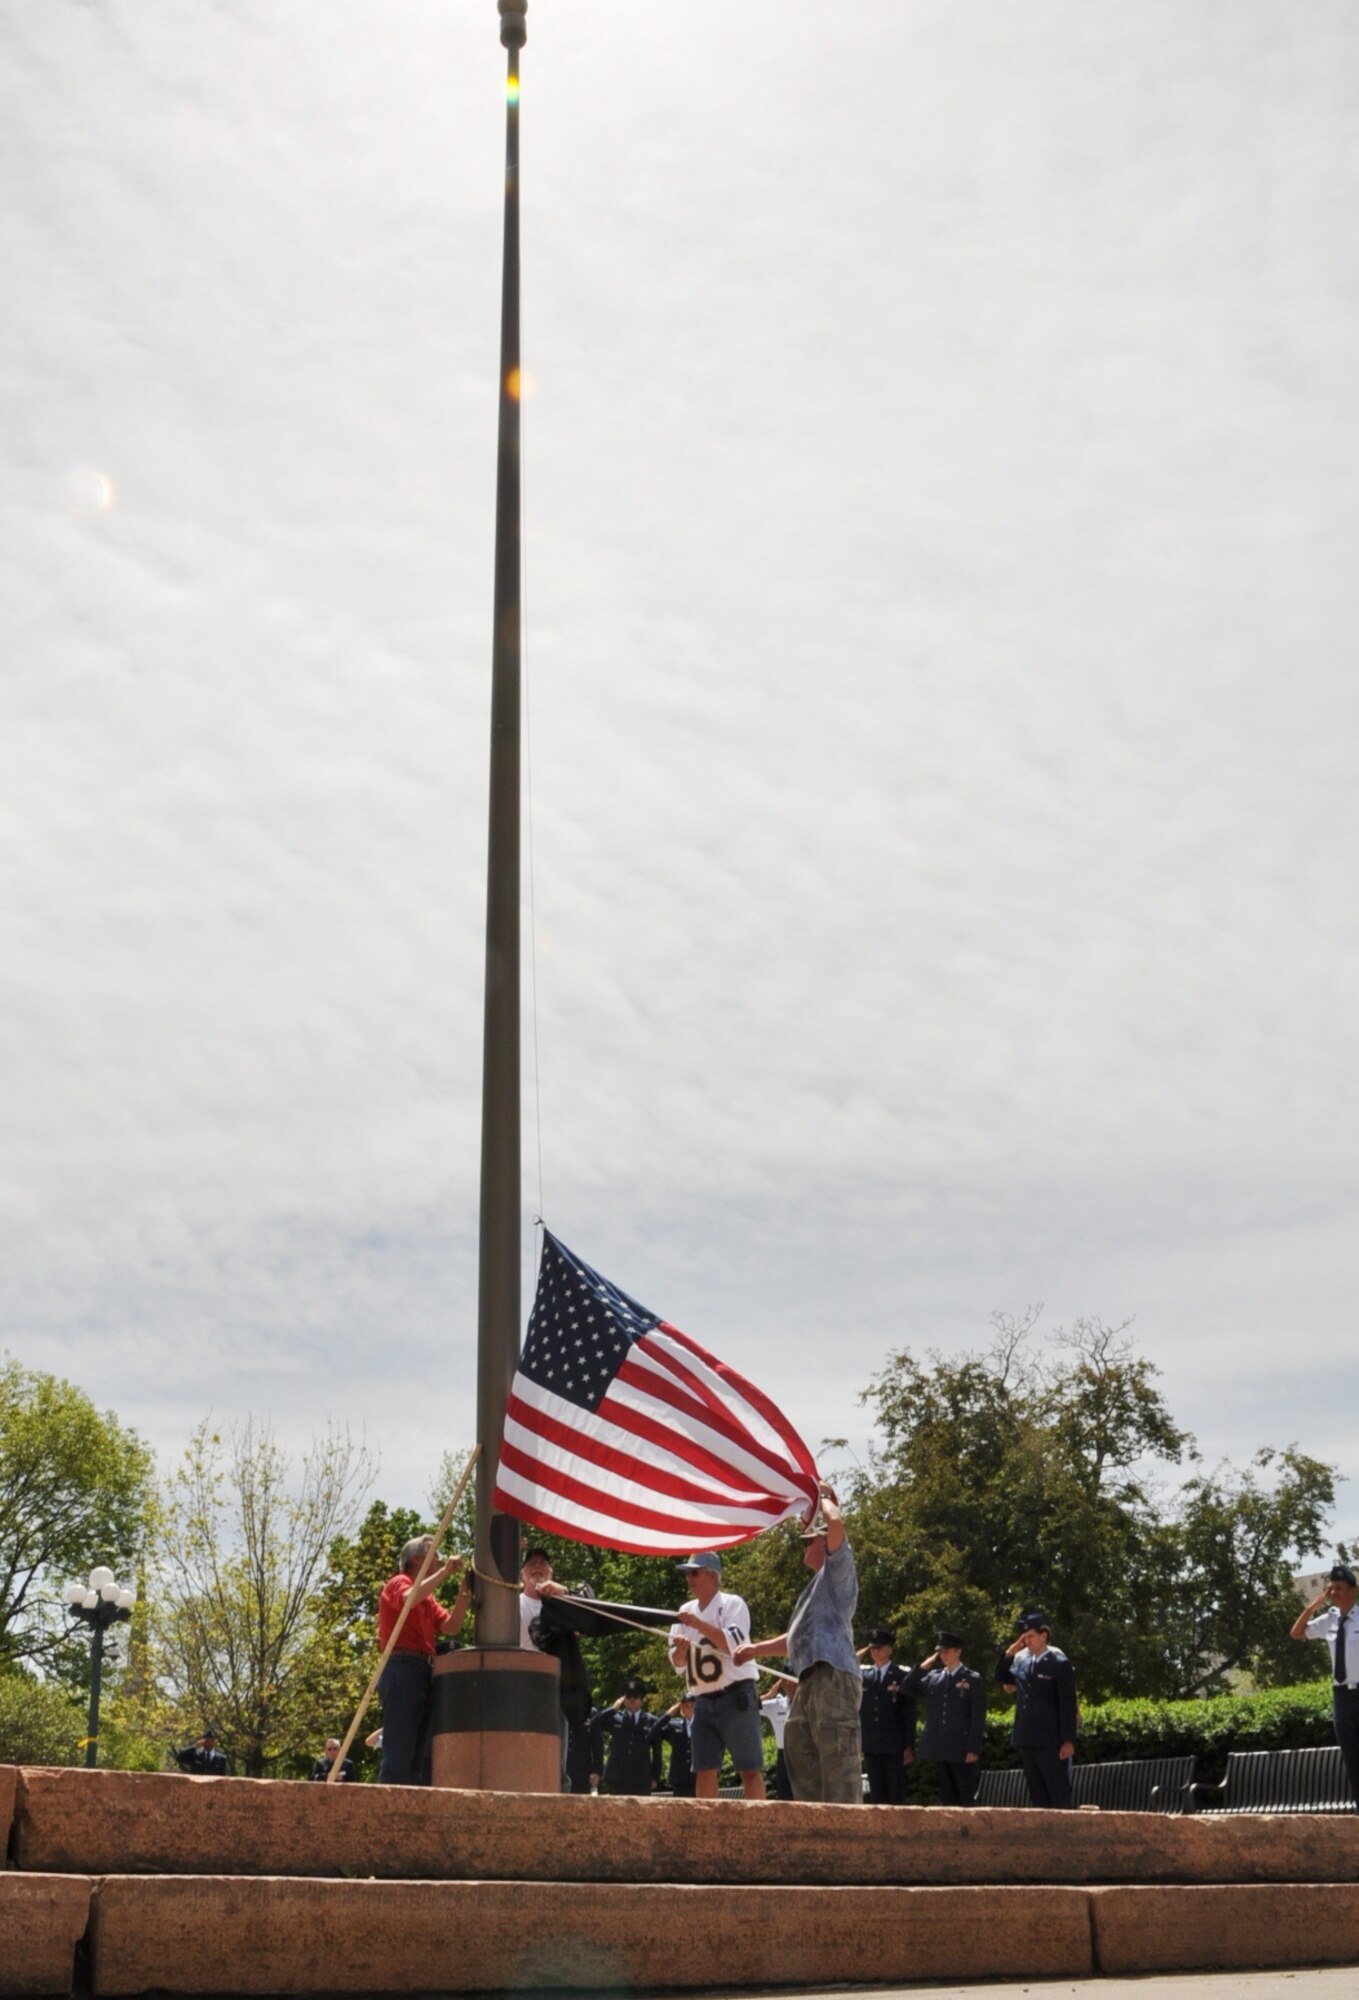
821 1743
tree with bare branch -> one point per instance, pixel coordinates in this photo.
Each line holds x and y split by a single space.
240 1633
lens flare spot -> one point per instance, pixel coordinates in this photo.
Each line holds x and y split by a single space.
512 90
87 490
514 385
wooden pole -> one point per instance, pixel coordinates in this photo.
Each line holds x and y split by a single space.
332 1776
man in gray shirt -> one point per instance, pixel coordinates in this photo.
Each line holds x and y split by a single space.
821 1742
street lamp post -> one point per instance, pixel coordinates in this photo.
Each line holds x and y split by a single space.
99 1603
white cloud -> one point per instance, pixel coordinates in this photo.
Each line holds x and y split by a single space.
939 506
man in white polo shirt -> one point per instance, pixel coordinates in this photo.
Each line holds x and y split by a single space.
709 1628
1334 1616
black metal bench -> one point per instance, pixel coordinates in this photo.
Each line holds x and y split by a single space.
1002 1788
1278 1781
1142 1784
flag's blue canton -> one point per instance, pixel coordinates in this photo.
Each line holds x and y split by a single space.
580 1329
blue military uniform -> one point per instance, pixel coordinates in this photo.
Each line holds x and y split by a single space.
1045 1716
580 1759
886 1732
955 1717
199 1761
629 1764
678 1733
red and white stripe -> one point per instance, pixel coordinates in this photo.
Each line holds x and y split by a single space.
682 1453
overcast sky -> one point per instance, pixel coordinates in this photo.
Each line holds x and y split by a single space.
941 507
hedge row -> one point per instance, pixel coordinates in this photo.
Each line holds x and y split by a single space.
1288 1718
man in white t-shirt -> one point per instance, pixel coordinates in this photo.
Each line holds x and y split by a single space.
1334 1617
709 1628
535 1583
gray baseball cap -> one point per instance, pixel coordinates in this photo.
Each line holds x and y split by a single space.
707 1561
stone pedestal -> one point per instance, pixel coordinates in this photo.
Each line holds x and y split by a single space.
497 1721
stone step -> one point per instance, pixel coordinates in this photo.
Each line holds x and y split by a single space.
269 1936
42 1920
238 1935
120 1822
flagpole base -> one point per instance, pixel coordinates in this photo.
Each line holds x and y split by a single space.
497 1721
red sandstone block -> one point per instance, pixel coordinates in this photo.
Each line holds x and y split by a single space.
42 1919
197 1934
1228 1929
9 1784
125 1822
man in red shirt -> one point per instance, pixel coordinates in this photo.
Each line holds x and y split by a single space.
404 1688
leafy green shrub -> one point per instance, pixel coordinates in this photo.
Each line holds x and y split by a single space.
39 1723
1279 1719
123 1749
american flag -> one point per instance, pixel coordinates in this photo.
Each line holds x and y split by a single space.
623 1432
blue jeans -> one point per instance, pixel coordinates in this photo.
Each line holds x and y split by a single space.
404 1690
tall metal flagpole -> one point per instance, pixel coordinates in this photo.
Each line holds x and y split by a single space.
498 1321
495 1718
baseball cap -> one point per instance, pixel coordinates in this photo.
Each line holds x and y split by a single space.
706 1561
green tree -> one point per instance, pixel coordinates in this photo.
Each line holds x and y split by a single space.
1008 1480
1240 1538
40 1722
239 1611
76 1489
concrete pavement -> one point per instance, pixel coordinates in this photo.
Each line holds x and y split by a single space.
1332 1982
